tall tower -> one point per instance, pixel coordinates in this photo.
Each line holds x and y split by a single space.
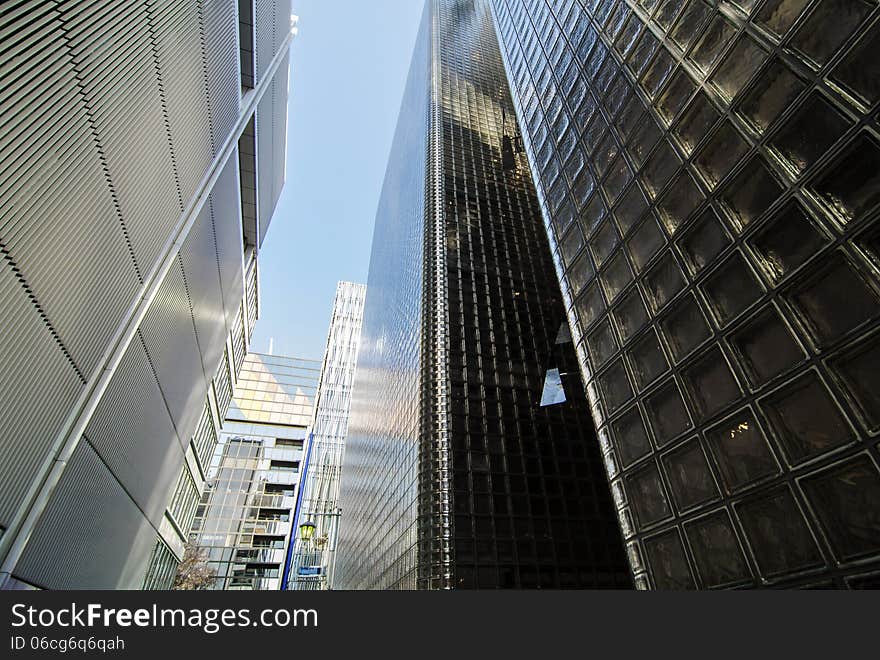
455 475
143 154
313 561
710 177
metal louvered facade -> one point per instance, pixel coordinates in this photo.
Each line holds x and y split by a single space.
456 475
127 260
708 172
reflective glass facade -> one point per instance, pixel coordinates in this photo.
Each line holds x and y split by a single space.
708 172
244 520
494 490
313 561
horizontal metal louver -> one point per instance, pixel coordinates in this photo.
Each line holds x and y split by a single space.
41 387
219 20
225 212
161 570
175 28
271 146
132 432
107 541
205 438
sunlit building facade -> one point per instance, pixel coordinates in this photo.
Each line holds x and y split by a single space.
471 459
143 153
709 173
242 525
313 560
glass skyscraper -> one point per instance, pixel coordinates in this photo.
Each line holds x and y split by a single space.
313 561
710 176
455 475
143 153
242 525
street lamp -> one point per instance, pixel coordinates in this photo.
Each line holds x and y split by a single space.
306 530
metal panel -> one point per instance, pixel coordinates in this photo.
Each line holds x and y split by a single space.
132 432
107 540
199 258
225 211
168 333
176 33
219 21
40 386
60 222
271 127
272 26
115 61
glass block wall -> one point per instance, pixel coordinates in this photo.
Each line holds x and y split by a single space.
709 173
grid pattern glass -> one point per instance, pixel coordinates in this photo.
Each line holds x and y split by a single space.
320 488
708 172
509 494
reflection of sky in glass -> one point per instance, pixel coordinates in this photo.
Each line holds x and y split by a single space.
275 390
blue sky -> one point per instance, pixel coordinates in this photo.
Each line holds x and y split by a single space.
348 68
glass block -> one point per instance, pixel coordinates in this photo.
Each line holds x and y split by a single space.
689 476
590 305
647 359
828 26
593 214
630 437
752 191
721 153
602 344
668 562
615 386
731 288
676 94
846 499
580 273
829 314
766 348
647 496
859 72
630 208
657 72
643 140
667 413
641 54
787 241
805 420
778 534
667 12
851 186
664 281
779 15
740 450
631 117
604 242
605 153
742 61
809 132
711 384
630 314
659 169
705 241
715 38
618 177
679 202
571 244
776 88
684 327
716 550
645 242
696 121
859 369
687 27
582 187
616 276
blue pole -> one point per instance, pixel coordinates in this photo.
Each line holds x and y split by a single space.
299 494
